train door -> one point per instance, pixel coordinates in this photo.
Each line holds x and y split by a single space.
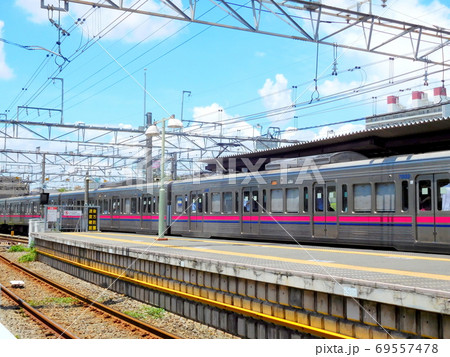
146 219
433 208
324 210
250 210
115 212
196 212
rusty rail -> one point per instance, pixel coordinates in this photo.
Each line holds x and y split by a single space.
52 325
131 320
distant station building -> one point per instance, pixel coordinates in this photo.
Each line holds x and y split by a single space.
422 109
12 187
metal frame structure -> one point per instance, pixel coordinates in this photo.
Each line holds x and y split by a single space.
297 16
120 147
115 154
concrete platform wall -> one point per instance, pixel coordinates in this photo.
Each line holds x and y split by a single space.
338 313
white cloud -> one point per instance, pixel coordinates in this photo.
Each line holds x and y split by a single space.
276 95
128 27
5 71
34 11
429 13
214 113
292 133
328 131
119 24
336 86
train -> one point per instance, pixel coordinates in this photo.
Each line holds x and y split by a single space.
399 202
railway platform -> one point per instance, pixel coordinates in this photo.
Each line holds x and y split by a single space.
267 290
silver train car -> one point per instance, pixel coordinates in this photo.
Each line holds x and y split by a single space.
400 202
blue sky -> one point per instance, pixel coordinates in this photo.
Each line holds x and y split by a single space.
231 74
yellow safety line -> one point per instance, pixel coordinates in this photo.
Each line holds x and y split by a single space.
257 315
287 260
389 255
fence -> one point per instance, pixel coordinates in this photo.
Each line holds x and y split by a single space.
71 218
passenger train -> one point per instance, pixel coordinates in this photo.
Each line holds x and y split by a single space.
401 202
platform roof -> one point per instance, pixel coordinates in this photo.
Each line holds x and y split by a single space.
409 137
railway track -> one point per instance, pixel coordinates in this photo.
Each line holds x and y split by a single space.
106 314
5 238
50 324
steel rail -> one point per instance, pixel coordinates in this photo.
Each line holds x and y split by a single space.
52 325
8 238
126 318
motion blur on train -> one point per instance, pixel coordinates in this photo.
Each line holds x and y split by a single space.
343 198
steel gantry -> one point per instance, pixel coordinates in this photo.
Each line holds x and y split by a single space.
68 151
310 21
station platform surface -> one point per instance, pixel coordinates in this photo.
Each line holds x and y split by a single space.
429 273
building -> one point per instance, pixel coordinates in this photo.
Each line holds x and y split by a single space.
13 186
421 109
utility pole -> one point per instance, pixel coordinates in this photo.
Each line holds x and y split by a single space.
62 97
43 174
148 152
145 96
182 101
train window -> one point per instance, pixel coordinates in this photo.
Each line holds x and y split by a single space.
264 200
200 203
134 205
206 202
127 205
276 200
362 194
425 195
105 206
185 202
405 195
344 198
318 199
236 202
305 199
331 198
255 207
292 200
193 203
227 202
144 204
179 204
154 205
385 197
149 204
246 201
215 202
443 194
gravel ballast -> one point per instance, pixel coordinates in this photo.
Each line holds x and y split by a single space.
20 325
